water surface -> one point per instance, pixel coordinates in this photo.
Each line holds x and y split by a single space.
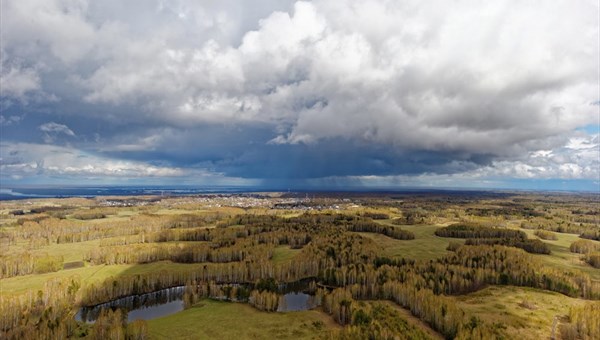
145 306
170 301
293 302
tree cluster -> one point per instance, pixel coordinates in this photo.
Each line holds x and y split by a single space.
480 235
545 235
27 263
583 323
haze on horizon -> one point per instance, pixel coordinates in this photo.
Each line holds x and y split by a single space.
370 93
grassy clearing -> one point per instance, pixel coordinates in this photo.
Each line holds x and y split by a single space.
225 320
561 257
284 254
76 251
505 304
425 245
70 251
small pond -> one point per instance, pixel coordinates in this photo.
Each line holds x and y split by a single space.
170 301
293 302
146 306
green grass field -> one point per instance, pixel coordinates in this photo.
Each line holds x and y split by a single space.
532 320
226 320
284 254
70 251
425 245
561 257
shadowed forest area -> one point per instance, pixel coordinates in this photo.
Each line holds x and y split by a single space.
448 265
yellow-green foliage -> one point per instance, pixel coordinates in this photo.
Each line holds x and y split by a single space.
453 245
113 325
24 264
339 303
584 246
44 314
583 323
379 321
180 252
545 235
593 259
264 300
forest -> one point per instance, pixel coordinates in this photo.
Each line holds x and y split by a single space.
447 265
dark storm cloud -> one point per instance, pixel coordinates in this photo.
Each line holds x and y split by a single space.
305 90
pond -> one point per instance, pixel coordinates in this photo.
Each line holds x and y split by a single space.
146 306
293 302
170 301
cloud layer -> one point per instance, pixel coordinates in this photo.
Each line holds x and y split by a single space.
309 90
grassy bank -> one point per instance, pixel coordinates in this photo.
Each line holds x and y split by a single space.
225 320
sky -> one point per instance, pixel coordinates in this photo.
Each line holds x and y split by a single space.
303 94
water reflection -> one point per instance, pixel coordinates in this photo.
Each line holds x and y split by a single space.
293 302
146 306
169 301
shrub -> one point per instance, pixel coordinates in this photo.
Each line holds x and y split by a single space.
453 245
545 235
584 246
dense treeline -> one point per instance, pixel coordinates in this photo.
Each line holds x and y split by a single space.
26 263
264 300
591 234
561 224
182 252
372 227
508 210
530 246
45 314
479 235
378 321
194 220
113 325
195 291
376 215
295 238
470 230
56 230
